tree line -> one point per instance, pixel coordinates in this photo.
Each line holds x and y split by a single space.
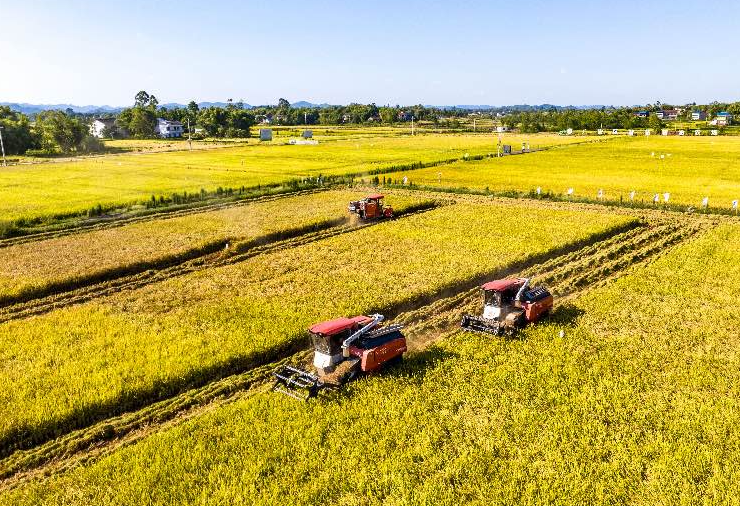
51 132
67 132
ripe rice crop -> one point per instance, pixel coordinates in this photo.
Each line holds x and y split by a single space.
687 168
36 267
54 188
638 403
75 365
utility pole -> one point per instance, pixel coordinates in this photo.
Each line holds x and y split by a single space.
2 146
190 139
473 124
305 118
412 125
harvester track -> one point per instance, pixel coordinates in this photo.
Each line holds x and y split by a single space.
568 275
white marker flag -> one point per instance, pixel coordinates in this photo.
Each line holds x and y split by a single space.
601 194
570 191
734 204
656 198
666 196
632 195
705 202
539 190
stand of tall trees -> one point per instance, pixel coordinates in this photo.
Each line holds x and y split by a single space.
17 135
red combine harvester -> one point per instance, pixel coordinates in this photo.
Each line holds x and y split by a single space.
371 208
509 305
343 348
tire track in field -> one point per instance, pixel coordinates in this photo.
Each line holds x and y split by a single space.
238 253
425 324
163 214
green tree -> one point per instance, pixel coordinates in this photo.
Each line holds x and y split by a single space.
655 123
17 134
59 132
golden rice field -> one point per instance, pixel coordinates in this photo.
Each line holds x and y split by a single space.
36 267
55 188
637 403
150 394
687 168
74 365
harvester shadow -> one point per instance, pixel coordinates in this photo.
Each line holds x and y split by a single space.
566 314
412 371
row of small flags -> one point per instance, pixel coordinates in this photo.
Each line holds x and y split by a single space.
656 197
648 131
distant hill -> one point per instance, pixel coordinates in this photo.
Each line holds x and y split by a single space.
31 109
303 103
84 109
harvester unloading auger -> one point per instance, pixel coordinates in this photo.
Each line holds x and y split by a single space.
509 305
343 349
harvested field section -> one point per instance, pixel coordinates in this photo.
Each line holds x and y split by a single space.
37 267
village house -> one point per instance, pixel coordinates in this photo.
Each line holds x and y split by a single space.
698 115
168 129
723 118
642 114
99 126
668 114
403 116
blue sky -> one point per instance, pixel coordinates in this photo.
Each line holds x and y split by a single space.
389 52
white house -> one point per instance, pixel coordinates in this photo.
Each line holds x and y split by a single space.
723 118
168 128
698 115
99 125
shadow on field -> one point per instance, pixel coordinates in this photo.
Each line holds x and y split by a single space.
411 371
566 314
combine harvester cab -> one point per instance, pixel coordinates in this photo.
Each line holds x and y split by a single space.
509 305
343 349
370 208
